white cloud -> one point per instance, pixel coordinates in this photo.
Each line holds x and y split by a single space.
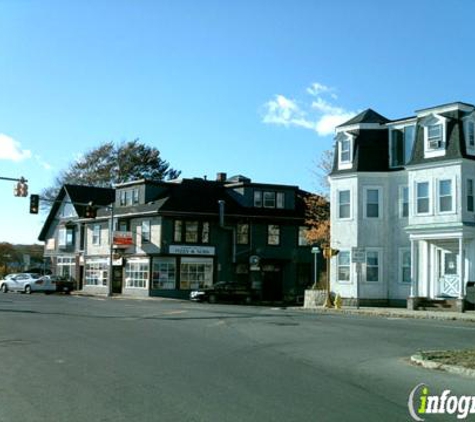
11 150
321 115
316 89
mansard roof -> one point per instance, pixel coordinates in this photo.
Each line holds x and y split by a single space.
371 143
366 116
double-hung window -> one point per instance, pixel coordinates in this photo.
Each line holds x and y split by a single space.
344 143
470 202
405 265
404 201
344 263
273 235
434 136
470 138
345 151
372 202
344 204
146 231
445 196
242 234
372 266
96 234
422 199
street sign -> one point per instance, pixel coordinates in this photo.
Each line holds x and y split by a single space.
358 255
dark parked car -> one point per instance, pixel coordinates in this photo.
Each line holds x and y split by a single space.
63 284
225 292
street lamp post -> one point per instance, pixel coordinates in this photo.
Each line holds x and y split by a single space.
315 251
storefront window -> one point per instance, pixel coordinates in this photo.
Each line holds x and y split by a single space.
196 273
96 272
136 273
163 274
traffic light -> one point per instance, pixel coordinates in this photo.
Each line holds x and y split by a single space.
21 189
34 204
91 211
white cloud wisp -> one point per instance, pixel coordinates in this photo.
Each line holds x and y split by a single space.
11 150
320 115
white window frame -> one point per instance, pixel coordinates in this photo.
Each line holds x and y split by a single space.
96 272
416 198
401 253
452 195
402 188
341 138
429 122
137 273
338 265
380 202
146 231
470 193
62 236
378 251
339 204
96 234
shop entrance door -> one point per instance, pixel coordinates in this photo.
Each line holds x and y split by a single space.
117 280
272 283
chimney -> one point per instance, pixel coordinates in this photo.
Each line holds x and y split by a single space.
221 177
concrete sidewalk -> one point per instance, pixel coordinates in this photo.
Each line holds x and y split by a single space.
394 313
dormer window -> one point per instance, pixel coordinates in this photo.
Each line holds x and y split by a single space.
435 129
470 135
434 137
345 150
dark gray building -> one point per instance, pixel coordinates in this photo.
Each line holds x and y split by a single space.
172 237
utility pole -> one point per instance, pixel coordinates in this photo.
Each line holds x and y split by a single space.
111 251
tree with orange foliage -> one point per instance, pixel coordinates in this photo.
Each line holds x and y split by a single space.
318 207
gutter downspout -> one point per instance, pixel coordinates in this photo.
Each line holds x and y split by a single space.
222 205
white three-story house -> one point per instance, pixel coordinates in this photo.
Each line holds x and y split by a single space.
402 207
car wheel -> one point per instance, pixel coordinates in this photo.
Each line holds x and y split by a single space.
212 299
4 288
28 290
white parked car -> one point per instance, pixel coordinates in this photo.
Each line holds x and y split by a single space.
26 283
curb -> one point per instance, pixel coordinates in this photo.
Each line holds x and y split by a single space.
381 312
431 364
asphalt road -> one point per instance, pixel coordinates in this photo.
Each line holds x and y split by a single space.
83 359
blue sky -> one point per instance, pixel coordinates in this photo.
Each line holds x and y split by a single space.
250 87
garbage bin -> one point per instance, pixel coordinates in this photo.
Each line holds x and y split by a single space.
470 294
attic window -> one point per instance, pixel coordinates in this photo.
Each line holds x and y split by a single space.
345 150
471 134
434 137
435 128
